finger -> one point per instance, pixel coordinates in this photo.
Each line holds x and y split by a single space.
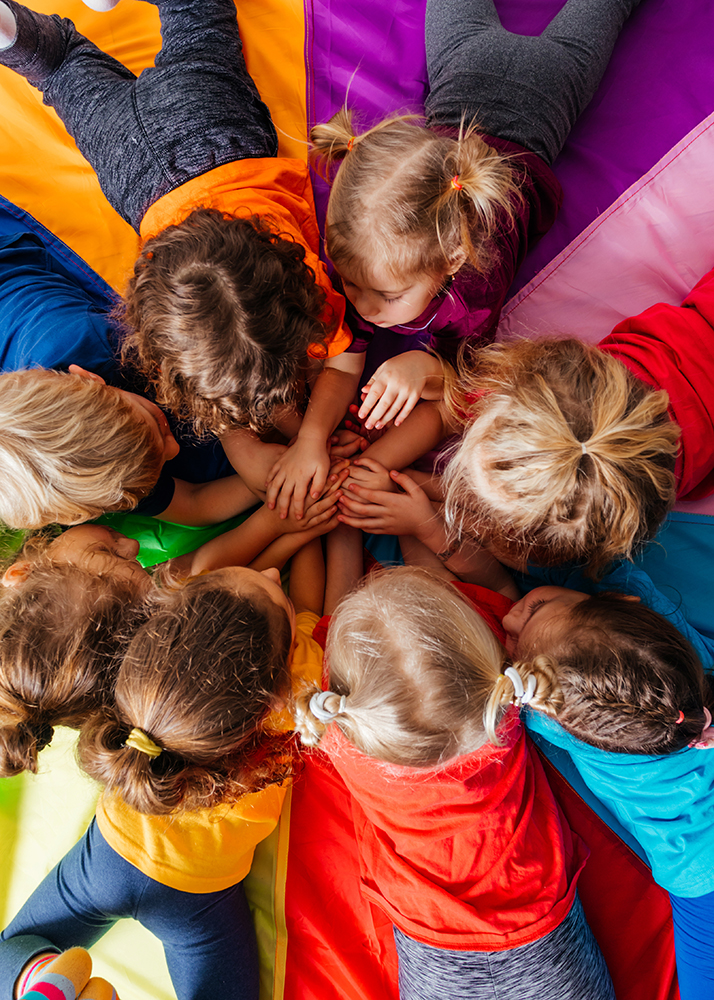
364 508
372 525
384 402
407 407
274 486
406 482
375 394
297 506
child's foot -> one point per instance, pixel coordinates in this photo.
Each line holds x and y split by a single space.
101 6
98 989
63 977
8 27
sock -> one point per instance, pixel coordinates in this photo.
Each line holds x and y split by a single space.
63 978
98 989
8 27
102 6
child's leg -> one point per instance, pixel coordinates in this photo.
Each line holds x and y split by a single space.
208 938
195 110
564 965
524 89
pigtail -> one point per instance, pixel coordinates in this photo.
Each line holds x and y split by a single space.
478 184
333 140
21 740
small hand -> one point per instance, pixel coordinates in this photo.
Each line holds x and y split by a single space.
346 443
305 465
397 386
384 513
369 474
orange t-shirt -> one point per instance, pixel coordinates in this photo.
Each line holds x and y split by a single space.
276 189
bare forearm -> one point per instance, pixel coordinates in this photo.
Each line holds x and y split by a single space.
332 394
307 578
345 564
208 503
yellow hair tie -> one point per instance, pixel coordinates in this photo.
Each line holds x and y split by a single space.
351 143
138 740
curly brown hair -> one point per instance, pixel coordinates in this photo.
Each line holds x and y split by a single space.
199 678
221 312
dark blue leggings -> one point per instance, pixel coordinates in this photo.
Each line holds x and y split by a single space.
694 945
208 938
197 108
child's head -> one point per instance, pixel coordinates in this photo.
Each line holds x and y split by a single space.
63 626
415 673
195 689
627 680
408 207
222 312
565 456
72 448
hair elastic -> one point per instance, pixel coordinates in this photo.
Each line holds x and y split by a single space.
584 448
522 695
350 144
138 740
680 718
317 706
456 183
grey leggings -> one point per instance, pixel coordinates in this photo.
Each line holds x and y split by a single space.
566 964
529 90
197 109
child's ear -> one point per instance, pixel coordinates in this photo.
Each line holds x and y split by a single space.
457 262
17 573
76 370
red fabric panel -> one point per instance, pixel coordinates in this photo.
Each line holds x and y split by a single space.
339 945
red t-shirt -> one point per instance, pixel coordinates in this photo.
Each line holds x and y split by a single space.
472 855
672 348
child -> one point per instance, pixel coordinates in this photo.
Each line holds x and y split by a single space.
645 723
62 636
427 226
68 606
460 839
196 732
228 300
576 452
70 450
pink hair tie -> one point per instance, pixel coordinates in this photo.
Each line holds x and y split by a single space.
680 717
456 183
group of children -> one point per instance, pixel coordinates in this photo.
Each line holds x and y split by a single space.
185 685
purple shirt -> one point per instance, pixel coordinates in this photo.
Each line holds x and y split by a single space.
470 306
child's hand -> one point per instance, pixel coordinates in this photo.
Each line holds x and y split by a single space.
369 474
383 513
316 514
305 465
398 385
346 443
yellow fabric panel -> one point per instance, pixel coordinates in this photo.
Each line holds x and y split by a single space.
41 169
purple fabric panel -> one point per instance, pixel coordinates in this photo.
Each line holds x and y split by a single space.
659 85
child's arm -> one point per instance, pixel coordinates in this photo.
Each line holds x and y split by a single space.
398 385
251 458
412 513
208 503
306 464
241 545
345 564
307 578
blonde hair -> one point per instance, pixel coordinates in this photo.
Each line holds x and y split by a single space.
565 456
419 669
414 198
70 449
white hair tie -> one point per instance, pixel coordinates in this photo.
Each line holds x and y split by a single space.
522 695
317 706
584 448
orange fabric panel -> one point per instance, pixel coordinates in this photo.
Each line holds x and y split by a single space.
41 169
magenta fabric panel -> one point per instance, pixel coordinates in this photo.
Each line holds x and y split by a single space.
659 85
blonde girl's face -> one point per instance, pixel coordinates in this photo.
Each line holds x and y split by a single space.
101 550
532 621
386 300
